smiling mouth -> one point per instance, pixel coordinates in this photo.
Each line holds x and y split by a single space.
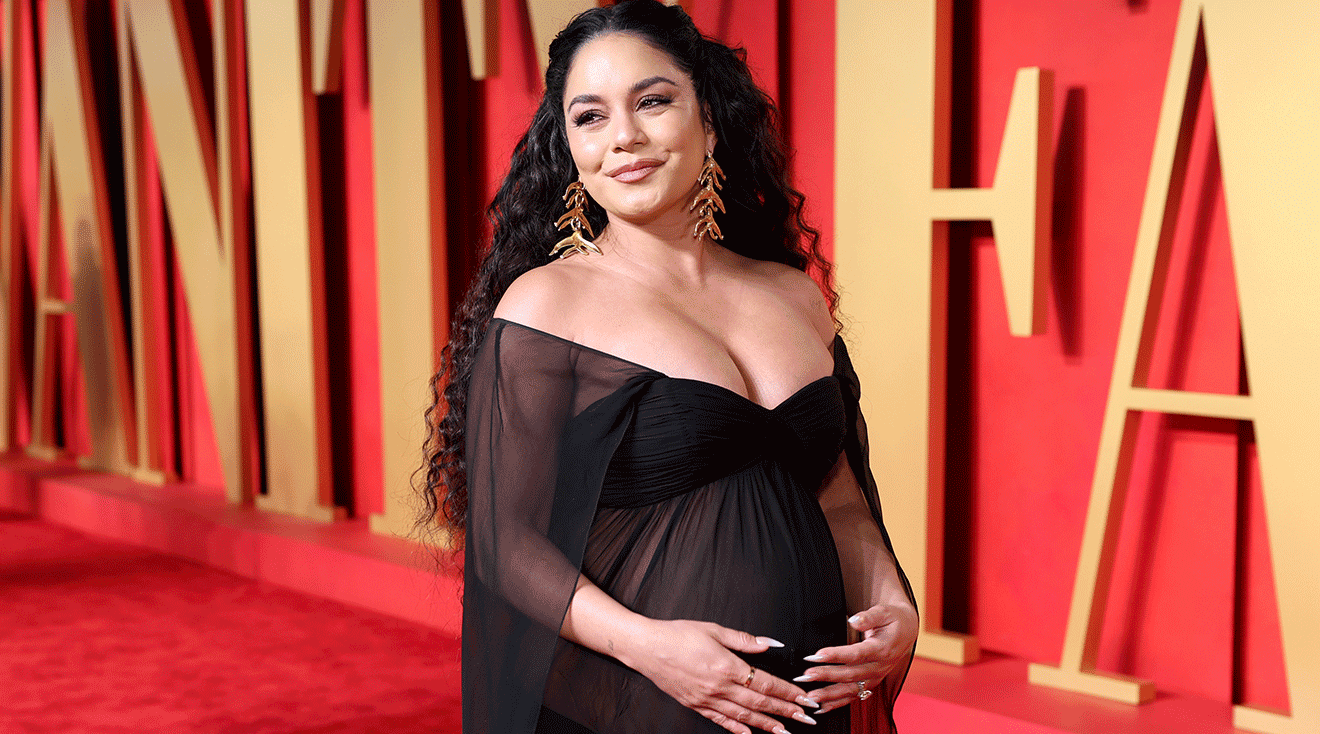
634 172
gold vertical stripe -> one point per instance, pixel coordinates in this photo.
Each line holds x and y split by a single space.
327 45
404 243
234 178
295 456
147 391
481 21
72 142
45 378
1262 60
886 82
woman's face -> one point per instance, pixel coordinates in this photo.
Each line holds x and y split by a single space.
635 128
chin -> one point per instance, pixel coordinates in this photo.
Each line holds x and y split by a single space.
639 210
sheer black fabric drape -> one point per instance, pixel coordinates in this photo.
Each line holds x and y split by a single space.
679 498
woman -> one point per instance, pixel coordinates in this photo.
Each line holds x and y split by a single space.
651 440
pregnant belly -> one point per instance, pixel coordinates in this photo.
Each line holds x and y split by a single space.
750 552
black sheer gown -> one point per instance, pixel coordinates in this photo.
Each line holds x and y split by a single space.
679 498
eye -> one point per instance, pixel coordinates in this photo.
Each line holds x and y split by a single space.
654 100
586 118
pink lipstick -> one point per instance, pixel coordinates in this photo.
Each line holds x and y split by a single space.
635 171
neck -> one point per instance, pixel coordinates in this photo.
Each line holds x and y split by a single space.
666 252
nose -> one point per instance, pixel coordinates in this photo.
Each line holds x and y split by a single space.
627 133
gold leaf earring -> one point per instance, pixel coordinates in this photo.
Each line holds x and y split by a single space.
707 200
575 199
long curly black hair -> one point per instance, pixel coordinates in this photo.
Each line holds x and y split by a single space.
763 221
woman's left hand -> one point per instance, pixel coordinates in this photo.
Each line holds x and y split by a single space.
888 635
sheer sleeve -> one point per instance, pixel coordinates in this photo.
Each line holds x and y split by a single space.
877 718
536 455
517 583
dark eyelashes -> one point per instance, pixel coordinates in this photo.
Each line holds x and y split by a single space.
654 99
648 101
584 118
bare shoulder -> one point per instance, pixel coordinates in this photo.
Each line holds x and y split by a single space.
540 297
802 291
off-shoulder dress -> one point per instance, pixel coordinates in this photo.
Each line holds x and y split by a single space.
679 498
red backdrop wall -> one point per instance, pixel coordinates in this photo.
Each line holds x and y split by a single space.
1191 605
1025 414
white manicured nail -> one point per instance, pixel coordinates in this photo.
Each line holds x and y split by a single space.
804 678
808 702
804 718
772 642
816 658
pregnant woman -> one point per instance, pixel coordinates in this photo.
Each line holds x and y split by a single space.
646 433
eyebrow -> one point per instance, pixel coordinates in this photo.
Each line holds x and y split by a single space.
650 81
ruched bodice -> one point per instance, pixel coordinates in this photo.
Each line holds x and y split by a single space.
679 498
687 433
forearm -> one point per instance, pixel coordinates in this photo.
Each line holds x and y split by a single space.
597 621
870 574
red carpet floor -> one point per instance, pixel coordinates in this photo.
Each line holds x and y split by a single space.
107 638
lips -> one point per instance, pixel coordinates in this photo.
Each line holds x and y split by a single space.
635 171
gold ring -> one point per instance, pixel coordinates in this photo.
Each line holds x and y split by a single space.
750 674
863 692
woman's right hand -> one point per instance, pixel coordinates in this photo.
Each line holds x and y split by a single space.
692 662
